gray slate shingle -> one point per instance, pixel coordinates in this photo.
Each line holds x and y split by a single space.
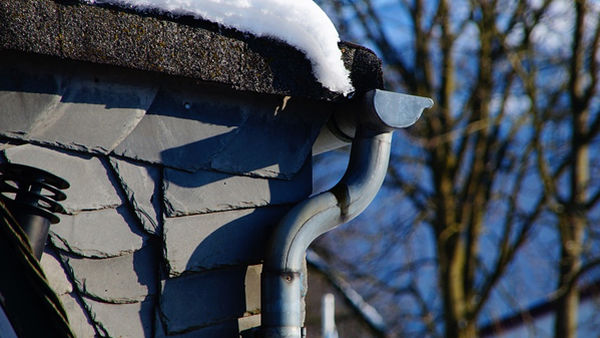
120 280
79 322
275 142
82 172
222 293
99 233
184 138
55 274
141 184
208 241
230 328
202 128
58 280
209 191
123 320
77 108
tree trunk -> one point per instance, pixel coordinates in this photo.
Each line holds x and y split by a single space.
565 325
574 222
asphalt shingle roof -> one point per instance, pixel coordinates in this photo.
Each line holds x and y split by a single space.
176 46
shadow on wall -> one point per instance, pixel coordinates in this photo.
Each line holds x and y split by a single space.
223 228
146 263
231 132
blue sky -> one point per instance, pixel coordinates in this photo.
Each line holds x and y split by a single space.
532 276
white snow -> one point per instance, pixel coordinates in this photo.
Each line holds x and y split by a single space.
300 23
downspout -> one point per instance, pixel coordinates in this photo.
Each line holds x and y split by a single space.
379 113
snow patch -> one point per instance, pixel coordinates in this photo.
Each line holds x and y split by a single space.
300 23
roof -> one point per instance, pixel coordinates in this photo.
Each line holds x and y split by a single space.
180 46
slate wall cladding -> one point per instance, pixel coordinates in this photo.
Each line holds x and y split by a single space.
80 322
47 97
171 201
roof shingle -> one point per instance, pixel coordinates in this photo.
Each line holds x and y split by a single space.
176 46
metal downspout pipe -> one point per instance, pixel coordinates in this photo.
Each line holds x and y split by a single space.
380 113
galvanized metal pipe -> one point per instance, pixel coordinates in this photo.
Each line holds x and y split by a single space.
282 280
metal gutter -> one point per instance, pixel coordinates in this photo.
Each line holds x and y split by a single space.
379 113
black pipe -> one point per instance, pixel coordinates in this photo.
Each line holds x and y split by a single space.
32 196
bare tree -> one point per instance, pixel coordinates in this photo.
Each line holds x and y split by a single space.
566 173
484 170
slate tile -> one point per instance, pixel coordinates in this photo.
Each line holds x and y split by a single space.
99 233
5 144
196 243
25 99
142 186
80 324
125 279
209 191
264 136
84 111
184 128
91 187
55 274
230 328
221 293
123 320
276 141
252 289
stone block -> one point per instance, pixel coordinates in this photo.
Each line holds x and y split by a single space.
209 191
99 233
125 279
222 294
142 186
91 185
196 243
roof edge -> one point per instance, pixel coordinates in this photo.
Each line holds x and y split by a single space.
178 46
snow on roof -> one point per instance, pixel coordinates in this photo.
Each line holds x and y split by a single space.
300 23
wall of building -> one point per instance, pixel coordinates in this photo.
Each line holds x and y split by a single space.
175 187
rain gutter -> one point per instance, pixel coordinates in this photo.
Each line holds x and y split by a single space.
372 118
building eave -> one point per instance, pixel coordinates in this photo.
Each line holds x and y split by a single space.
181 46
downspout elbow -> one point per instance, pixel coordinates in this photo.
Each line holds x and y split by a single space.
323 212
369 157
